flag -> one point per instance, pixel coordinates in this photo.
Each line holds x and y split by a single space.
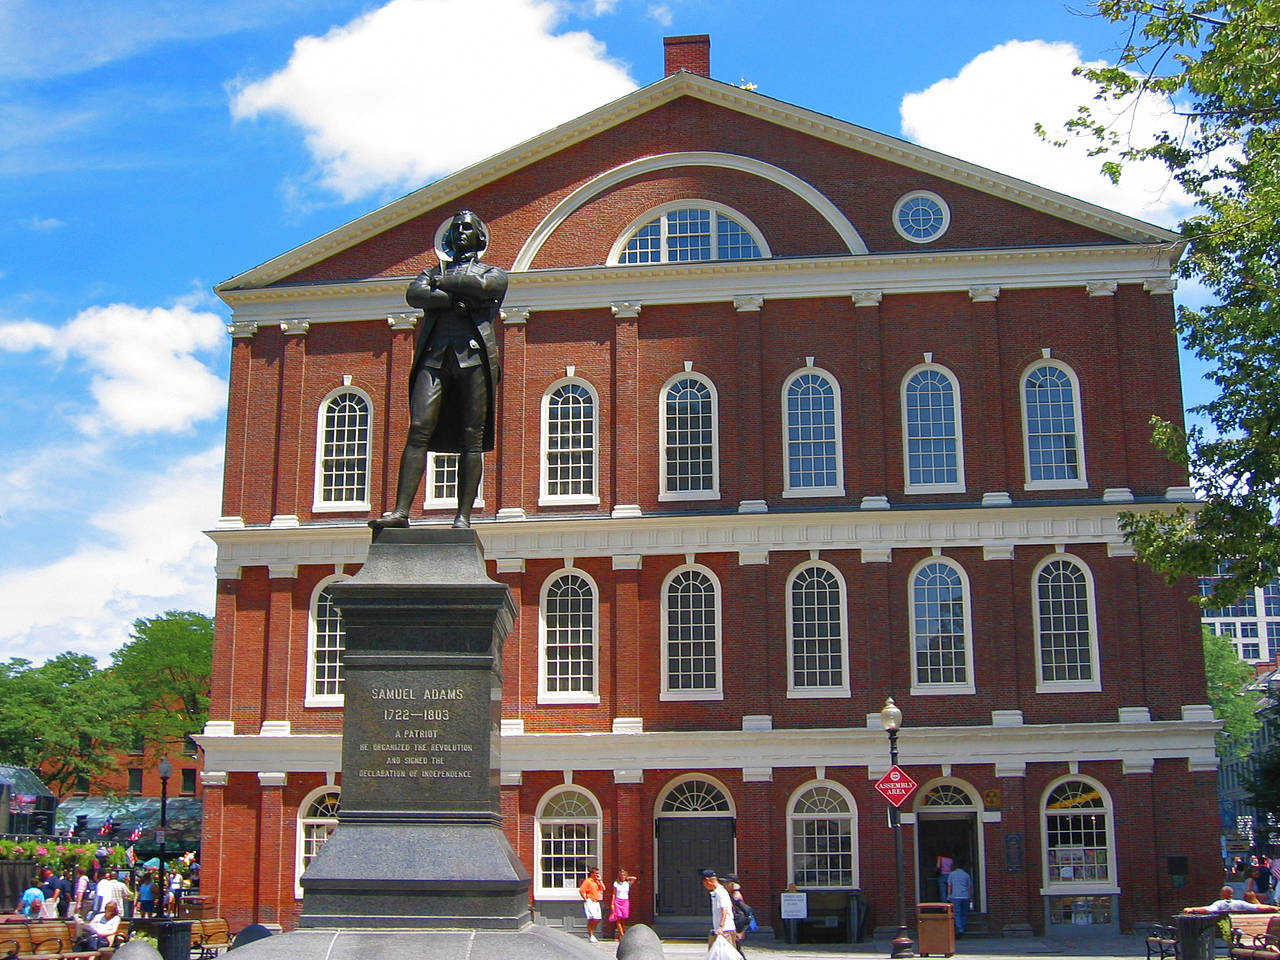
132 856
136 835
108 827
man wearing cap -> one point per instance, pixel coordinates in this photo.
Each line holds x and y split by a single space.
721 908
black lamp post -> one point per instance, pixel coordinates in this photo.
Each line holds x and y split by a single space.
891 718
165 769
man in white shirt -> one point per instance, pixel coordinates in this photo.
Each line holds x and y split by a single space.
111 890
721 908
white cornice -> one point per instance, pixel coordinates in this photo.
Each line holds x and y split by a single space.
665 91
992 528
1135 744
840 277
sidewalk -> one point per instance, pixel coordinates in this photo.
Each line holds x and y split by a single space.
986 948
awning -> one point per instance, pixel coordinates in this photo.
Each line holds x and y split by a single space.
123 817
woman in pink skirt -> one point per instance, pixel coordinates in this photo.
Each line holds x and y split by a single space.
620 912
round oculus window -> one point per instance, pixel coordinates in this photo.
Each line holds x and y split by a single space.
921 217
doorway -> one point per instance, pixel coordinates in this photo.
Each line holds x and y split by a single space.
684 847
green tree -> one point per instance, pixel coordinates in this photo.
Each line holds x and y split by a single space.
1227 678
1262 787
65 718
1219 61
166 668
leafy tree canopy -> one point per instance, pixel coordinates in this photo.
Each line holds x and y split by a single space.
1227 677
1219 62
166 667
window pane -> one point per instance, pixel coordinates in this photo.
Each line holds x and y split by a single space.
646 245
690 425
571 442
1064 622
938 609
688 235
931 429
691 632
811 432
345 454
817 642
734 241
570 636
822 839
1051 425
330 642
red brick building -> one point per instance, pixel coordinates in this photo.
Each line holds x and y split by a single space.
794 417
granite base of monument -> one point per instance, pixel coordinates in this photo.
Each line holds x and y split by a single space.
533 942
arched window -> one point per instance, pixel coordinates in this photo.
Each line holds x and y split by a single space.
941 635
682 232
821 824
568 829
1079 849
317 817
817 628
933 454
1054 438
568 661
813 461
342 452
691 636
1066 627
695 796
690 467
326 641
569 440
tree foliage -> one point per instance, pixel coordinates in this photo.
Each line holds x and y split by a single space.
166 668
1227 678
63 718
1219 62
1262 789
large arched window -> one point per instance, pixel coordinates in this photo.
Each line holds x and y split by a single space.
1053 435
1080 879
691 668
933 452
817 632
342 451
813 461
941 633
569 650
1065 627
682 232
317 818
325 643
822 836
570 416
690 468
568 830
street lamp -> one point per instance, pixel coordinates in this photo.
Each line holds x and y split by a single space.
165 769
891 718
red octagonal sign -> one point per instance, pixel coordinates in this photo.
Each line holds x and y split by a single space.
895 786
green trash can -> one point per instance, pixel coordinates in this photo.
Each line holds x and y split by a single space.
935 930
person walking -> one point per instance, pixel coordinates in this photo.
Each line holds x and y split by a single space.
592 892
744 918
960 892
721 910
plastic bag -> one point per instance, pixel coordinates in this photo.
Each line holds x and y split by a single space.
722 949
752 926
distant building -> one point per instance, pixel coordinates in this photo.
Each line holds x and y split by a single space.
26 804
1252 623
795 416
1242 823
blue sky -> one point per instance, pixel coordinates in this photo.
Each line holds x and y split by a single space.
152 148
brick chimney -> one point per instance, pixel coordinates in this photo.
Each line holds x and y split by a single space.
688 53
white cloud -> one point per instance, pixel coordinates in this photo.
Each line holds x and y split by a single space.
661 13
403 95
145 372
146 555
44 223
987 114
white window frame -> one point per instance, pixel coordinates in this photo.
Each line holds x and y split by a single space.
795 692
1094 684
665 494
1058 887
715 692
572 696
301 822
1081 481
918 488
591 498
320 504
930 195
653 213
792 817
837 489
918 687
430 502
311 698
541 891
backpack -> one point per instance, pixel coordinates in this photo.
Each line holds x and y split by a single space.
744 918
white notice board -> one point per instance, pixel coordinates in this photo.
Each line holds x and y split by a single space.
795 906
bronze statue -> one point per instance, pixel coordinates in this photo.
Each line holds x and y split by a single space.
455 367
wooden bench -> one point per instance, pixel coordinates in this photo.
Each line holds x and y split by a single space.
1255 946
208 937
43 940
1162 941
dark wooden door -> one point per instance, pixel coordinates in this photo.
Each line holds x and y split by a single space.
685 847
